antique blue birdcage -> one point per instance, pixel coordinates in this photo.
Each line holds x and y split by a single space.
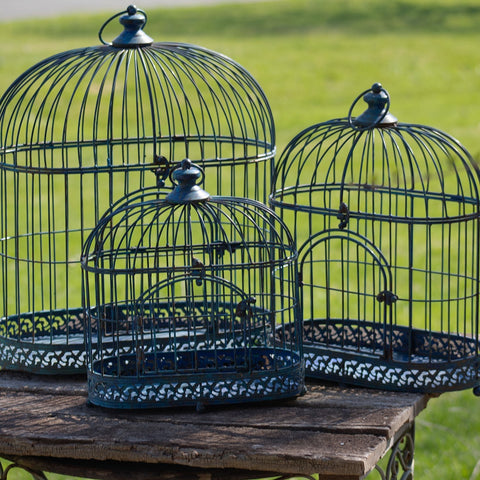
386 216
190 300
83 128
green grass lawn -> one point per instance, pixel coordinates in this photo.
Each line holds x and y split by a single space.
313 58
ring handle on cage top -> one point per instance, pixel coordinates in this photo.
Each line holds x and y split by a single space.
133 35
377 113
185 178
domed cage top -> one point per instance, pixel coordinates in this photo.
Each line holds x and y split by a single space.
386 216
190 300
83 128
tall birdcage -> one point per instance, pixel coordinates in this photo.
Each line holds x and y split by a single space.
83 128
190 300
386 216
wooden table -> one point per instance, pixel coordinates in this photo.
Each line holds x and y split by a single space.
336 431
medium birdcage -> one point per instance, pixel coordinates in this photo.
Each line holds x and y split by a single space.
386 216
190 300
83 128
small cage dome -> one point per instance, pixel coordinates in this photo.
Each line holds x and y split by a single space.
83 128
386 216
190 300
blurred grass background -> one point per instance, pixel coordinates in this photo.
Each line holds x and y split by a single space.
313 58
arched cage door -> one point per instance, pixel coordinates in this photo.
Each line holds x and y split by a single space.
346 293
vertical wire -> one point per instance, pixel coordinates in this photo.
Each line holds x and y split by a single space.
429 306
4 286
16 196
328 287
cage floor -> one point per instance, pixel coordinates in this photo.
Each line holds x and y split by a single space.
188 378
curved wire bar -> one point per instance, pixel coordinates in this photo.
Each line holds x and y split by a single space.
4 472
400 463
415 162
166 96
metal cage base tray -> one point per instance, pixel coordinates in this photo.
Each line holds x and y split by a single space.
352 353
207 377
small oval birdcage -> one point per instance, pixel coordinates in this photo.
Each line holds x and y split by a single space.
190 300
83 128
386 216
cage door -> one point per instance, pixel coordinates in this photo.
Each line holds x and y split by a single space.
196 313
346 293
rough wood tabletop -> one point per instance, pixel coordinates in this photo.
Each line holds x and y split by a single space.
332 430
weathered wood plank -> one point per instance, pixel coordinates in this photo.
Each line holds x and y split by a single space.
332 430
110 438
217 447
377 420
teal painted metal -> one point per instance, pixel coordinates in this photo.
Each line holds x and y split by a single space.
191 299
386 216
79 131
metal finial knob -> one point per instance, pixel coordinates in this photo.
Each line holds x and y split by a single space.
377 113
186 189
132 9
133 21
